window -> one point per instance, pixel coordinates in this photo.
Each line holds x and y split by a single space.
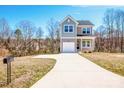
68 28
86 43
86 30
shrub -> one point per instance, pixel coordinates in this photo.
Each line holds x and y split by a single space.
89 51
4 52
85 51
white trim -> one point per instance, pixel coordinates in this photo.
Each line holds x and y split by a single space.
79 37
68 28
67 18
86 37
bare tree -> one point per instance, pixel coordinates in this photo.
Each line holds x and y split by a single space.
118 28
101 34
52 28
4 28
39 36
109 23
114 29
122 31
28 30
5 33
57 43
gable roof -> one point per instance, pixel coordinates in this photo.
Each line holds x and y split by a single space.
78 22
70 18
84 22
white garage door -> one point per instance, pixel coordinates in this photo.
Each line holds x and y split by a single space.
68 47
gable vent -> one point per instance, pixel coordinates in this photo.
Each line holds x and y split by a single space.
68 20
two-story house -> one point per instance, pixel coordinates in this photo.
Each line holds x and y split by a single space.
76 35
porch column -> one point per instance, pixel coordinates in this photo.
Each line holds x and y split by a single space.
93 43
81 44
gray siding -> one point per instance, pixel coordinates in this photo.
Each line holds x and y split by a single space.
70 35
64 34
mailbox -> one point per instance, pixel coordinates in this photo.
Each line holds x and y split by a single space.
8 59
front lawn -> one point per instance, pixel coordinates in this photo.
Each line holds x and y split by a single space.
25 71
111 61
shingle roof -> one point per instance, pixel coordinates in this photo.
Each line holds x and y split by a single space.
84 22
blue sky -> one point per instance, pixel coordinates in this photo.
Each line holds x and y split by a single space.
40 15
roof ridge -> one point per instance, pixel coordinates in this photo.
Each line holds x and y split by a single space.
83 20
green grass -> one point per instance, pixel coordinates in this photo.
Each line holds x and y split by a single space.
113 62
25 71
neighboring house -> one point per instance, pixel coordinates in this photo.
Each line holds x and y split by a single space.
76 35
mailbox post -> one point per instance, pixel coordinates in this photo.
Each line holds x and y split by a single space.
7 60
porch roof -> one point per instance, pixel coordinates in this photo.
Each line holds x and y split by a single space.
80 37
85 37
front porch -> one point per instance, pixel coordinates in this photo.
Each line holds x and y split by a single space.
85 44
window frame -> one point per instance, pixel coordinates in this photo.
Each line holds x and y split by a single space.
86 28
68 25
86 43
85 31
65 28
89 30
83 43
71 28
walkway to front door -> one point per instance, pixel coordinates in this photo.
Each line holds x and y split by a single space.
73 70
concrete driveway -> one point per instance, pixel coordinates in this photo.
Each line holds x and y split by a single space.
75 71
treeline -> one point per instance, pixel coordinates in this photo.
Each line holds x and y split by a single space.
27 39
110 35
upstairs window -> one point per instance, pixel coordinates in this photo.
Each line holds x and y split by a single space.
68 28
86 30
